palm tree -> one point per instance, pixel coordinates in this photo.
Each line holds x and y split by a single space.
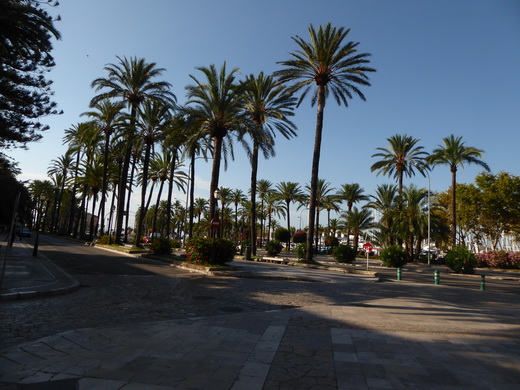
358 221
289 192
400 158
454 154
330 203
215 106
237 197
351 193
384 202
132 81
273 206
333 67
92 179
153 120
263 188
323 191
200 207
62 165
160 166
108 118
269 108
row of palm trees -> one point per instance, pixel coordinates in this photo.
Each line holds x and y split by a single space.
137 134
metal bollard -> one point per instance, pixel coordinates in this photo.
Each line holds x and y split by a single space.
482 282
436 277
398 273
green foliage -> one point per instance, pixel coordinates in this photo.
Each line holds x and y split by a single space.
299 237
331 241
461 260
344 253
301 250
175 244
104 240
161 246
393 256
282 234
273 247
210 251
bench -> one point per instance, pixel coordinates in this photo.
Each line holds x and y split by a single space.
278 260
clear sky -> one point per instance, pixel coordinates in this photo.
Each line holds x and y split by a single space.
443 67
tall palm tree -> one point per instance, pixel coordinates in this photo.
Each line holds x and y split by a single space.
454 154
215 106
323 190
237 197
62 165
273 206
132 81
160 166
269 108
333 67
384 202
289 192
108 118
263 188
201 206
153 120
330 203
400 158
358 221
92 179
351 193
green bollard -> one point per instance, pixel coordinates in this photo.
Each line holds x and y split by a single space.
482 282
436 277
398 273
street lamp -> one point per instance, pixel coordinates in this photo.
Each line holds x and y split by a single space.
43 197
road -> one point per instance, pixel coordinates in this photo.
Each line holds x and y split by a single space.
122 290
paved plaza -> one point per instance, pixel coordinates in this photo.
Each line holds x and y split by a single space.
404 336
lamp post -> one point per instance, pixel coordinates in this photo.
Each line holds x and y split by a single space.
43 197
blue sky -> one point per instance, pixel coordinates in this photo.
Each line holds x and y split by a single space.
443 67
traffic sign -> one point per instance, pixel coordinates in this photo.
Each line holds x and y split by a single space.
215 223
367 246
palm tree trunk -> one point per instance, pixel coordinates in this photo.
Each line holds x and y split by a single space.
130 184
144 182
157 208
453 206
215 172
170 193
315 170
121 196
254 173
92 216
105 179
192 193
73 198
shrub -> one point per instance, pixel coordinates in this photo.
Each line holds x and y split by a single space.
161 246
282 234
176 243
273 247
499 259
331 241
103 240
461 260
301 250
200 250
344 253
299 237
393 256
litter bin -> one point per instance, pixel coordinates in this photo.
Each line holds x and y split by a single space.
248 253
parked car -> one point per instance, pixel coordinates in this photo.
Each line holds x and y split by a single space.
23 232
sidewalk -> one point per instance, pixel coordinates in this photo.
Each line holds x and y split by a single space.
399 342
28 277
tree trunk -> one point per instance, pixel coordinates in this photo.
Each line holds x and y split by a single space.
453 206
157 208
130 184
215 172
121 196
170 193
192 193
144 183
105 178
254 173
315 170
